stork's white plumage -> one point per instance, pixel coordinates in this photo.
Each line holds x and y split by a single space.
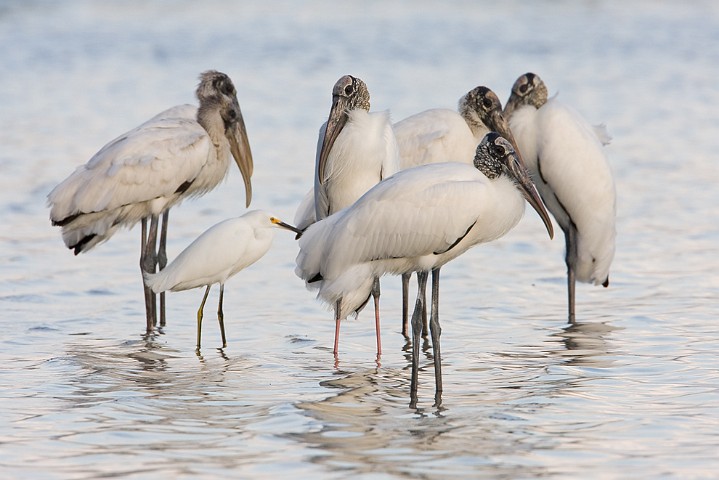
182 152
416 221
356 150
442 135
565 157
219 253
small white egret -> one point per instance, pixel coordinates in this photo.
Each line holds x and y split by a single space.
416 221
443 135
356 149
565 157
216 255
182 152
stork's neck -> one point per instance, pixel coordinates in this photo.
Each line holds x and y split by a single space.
475 124
209 117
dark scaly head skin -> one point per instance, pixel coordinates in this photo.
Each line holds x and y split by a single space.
481 107
351 93
491 155
478 106
528 89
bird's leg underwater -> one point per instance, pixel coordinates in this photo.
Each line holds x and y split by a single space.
416 332
162 260
199 316
571 259
375 295
221 316
405 304
436 331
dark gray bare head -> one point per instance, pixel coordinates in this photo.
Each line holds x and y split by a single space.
529 89
482 111
217 95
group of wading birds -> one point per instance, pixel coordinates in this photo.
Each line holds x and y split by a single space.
388 198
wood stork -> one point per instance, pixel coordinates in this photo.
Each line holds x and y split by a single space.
441 135
182 152
416 221
216 255
356 149
565 157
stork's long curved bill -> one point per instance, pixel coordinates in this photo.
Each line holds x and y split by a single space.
240 149
524 181
335 124
512 104
498 123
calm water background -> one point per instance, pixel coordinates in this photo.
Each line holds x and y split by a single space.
630 392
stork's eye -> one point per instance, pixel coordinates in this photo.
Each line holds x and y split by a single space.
499 150
224 87
348 90
523 88
487 103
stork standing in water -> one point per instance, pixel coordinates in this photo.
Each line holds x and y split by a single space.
355 151
416 221
442 135
182 152
219 253
565 157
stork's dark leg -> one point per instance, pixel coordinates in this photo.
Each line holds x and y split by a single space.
145 288
221 316
337 327
416 333
162 260
375 295
199 316
425 325
147 264
571 259
405 304
436 331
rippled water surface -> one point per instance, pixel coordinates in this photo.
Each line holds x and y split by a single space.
629 392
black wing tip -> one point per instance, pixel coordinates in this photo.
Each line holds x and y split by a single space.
79 247
64 221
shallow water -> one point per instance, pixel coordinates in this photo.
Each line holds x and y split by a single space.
630 392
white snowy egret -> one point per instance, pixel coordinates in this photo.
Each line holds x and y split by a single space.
565 157
442 135
356 149
416 221
216 255
182 152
